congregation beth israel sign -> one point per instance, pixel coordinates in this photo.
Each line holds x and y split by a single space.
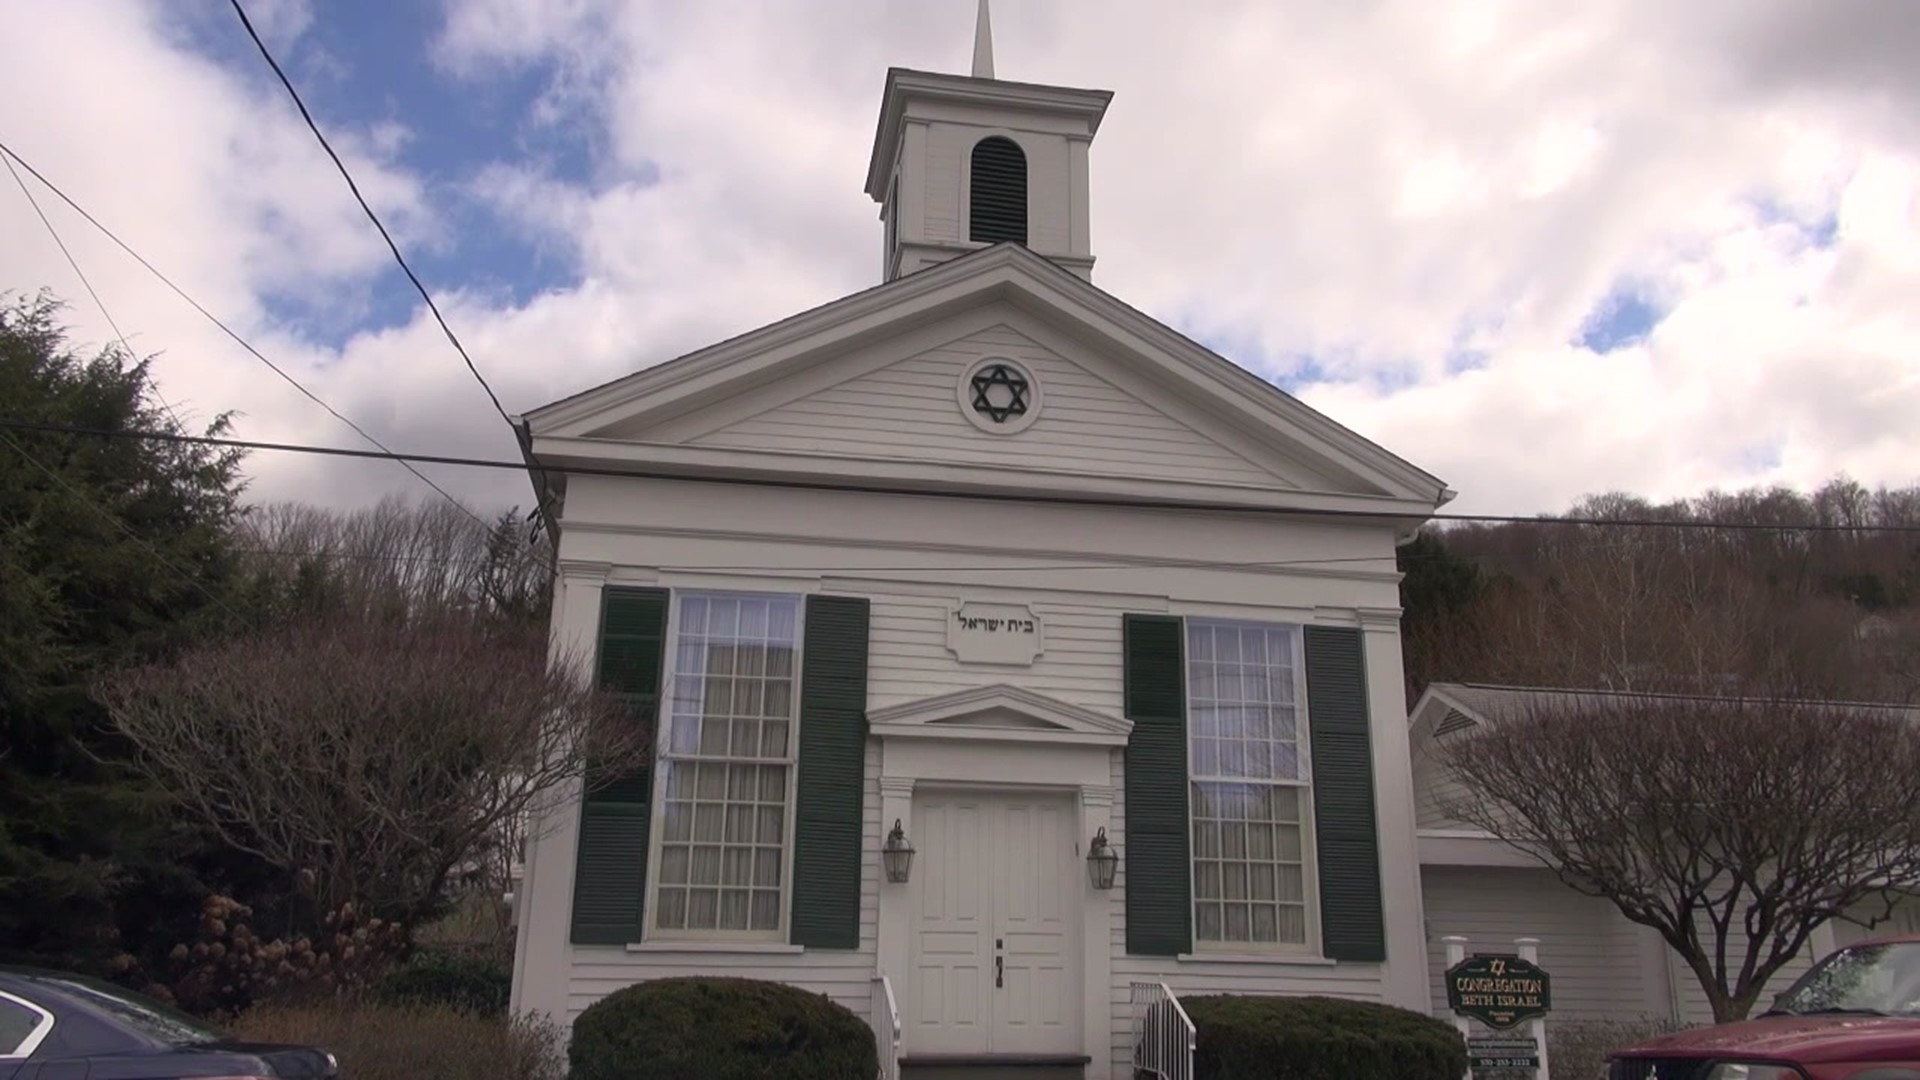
1499 991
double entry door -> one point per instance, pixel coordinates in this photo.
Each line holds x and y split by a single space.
996 923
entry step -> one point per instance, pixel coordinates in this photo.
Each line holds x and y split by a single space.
994 1067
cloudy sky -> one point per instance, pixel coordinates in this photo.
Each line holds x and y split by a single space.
1541 249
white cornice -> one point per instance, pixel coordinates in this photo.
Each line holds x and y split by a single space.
944 717
669 461
905 86
1005 272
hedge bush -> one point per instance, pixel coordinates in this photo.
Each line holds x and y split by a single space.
465 983
412 1042
1319 1038
720 1028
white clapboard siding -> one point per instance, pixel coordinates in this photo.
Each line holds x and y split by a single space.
1187 978
909 659
842 974
1593 953
909 411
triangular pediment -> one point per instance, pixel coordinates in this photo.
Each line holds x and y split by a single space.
998 712
873 390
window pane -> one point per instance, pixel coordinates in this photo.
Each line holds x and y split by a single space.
733 909
673 909
726 762
1247 847
766 909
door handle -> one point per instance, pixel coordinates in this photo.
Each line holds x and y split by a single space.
997 971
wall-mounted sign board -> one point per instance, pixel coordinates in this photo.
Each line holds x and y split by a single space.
995 634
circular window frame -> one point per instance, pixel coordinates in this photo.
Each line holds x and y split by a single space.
1013 425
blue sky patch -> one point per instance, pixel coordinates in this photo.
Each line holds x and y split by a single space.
358 82
1623 318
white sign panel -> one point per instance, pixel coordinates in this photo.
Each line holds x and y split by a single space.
994 634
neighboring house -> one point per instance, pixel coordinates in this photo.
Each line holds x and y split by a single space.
1604 967
988 554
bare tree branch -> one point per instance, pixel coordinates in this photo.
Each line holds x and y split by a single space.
1732 826
375 754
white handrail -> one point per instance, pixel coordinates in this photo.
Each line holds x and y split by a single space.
1163 1033
886 1027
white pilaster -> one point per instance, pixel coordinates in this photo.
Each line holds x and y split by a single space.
894 951
1096 943
543 955
1404 976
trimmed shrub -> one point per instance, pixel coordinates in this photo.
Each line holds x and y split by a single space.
464 983
1579 1048
720 1028
1320 1038
412 1042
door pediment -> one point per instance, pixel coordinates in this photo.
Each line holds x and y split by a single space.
999 713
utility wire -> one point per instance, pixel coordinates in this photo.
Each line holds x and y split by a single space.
82 275
7 152
371 216
1052 500
119 524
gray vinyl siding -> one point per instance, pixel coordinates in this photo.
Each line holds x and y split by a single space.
1592 952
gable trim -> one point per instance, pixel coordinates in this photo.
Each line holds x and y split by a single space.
943 716
923 478
1029 282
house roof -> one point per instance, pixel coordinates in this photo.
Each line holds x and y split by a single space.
580 430
1453 706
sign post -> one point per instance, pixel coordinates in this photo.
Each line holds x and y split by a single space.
1456 952
1501 991
1530 952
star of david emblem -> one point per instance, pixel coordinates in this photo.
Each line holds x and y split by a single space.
999 393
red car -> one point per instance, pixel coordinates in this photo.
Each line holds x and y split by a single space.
1855 1015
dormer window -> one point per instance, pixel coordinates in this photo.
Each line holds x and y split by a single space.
998 194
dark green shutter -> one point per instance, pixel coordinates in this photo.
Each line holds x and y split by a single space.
610 868
1351 923
1159 900
832 781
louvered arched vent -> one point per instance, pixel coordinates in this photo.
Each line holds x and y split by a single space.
999 192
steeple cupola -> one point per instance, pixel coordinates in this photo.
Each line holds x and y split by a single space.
961 162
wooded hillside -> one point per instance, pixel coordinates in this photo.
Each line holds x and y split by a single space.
1833 612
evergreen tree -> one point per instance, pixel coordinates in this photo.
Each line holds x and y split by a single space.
112 550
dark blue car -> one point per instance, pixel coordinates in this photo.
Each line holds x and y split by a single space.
56 1026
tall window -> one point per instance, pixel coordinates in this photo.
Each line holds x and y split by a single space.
1247 754
997 196
726 765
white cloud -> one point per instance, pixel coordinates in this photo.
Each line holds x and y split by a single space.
1378 187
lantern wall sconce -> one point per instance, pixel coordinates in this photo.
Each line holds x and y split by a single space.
1102 861
897 854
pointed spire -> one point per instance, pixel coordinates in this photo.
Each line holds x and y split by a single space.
983 44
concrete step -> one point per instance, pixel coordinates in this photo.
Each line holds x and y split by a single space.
994 1067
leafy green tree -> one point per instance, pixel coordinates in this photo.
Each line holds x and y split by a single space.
111 551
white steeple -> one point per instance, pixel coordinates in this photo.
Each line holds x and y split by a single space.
961 162
983 43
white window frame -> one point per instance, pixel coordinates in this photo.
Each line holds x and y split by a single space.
35 1037
1309 868
663 726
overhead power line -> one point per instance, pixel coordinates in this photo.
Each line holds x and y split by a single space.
371 216
1055 500
8 152
94 505
84 281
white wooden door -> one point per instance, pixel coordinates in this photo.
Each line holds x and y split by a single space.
995 968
